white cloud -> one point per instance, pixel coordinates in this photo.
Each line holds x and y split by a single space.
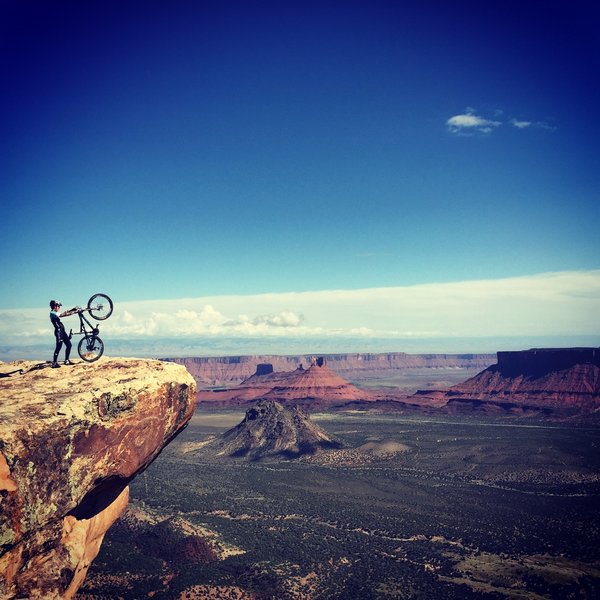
283 319
551 304
521 124
469 122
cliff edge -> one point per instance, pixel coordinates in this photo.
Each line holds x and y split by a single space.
71 439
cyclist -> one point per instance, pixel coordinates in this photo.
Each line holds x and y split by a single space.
59 332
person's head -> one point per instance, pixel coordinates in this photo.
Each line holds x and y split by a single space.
55 304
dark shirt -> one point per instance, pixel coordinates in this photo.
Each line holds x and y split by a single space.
59 328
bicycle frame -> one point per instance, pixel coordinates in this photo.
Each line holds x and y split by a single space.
82 330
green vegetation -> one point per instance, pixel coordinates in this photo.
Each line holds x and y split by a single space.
466 509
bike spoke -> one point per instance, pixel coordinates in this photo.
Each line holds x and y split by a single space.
90 348
100 306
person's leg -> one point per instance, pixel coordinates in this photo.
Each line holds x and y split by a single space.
67 350
56 351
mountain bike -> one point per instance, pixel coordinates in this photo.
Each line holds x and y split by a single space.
99 307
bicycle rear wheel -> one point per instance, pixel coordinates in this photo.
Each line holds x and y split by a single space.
100 306
90 348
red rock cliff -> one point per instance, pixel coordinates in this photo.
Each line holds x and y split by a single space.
228 370
70 441
556 378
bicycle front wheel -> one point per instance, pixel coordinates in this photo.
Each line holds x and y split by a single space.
100 306
90 348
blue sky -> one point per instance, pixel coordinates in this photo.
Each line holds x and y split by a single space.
160 151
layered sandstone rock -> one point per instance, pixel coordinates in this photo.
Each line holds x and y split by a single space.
315 387
70 441
548 379
231 370
318 382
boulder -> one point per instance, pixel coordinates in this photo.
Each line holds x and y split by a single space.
71 439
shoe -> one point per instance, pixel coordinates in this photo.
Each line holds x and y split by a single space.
55 365
68 362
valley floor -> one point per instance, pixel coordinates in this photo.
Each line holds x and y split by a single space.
410 508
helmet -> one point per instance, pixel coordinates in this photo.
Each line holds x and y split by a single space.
54 303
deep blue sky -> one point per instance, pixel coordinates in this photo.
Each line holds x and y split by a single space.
179 149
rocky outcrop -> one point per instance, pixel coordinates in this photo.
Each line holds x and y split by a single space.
231 370
269 430
70 441
318 382
550 380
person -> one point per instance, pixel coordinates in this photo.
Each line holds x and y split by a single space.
60 333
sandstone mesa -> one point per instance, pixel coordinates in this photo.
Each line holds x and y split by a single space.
553 382
231 370
314 387
545 380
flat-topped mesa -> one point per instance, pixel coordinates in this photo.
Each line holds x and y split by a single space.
539 361
264 369
556 379
314 387
71 439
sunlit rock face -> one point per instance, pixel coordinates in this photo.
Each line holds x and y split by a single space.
71 439
317 382
552 380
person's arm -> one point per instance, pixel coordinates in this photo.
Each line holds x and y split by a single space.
70 312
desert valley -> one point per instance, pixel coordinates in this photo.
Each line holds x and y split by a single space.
351 476
293 481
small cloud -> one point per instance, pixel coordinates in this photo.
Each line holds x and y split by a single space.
469 122
127 317
546 126
521 124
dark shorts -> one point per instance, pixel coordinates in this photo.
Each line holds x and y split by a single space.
62 336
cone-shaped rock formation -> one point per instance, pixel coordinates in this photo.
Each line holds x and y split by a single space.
270 430
317 382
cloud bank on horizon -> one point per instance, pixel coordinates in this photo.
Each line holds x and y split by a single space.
551 304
